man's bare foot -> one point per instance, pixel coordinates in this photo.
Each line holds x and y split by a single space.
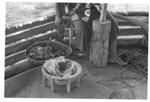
116 60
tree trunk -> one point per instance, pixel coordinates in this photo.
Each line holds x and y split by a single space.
100 39
100 43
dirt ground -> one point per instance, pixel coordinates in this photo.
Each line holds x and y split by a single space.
109 82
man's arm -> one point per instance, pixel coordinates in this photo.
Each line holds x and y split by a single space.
113 21
59 7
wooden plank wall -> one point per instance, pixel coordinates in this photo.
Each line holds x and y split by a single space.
19 39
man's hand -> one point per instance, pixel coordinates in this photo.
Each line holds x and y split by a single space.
60 28
58 20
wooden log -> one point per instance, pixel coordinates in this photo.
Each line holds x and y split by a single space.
22 45
29 24
125 23
133 13
130 30
29 32
130 40
18 68
100 43
143 25
134 21
10 60
100 39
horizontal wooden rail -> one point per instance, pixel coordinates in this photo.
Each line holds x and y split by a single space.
16 55
10 60
29 32
27 25
24 44
125 23
130 30
130 40
133 13
18 68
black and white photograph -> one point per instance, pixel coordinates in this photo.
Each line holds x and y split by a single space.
76 50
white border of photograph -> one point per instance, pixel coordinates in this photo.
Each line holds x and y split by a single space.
2 52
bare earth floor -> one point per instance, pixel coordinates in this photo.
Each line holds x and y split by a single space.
109 82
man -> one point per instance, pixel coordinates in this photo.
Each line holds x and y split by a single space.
82 15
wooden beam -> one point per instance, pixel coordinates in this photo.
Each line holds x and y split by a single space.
136 22
130 40
10 60
133 13
29 24
18 68
130 30
125 23
29 32
22 45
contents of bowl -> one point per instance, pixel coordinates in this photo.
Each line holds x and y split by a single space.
44 52
60 67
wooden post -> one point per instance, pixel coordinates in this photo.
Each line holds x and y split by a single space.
100 39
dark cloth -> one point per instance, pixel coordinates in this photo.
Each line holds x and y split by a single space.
83 35
60 9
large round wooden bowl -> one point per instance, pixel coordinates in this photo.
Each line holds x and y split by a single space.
63 80
55 44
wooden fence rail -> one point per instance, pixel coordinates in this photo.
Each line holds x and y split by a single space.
29 32
12 51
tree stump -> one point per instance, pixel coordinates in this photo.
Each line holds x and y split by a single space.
100 43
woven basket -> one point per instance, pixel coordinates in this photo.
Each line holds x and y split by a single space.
54 44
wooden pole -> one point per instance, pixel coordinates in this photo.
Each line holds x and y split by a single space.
19 67
100 40
103 13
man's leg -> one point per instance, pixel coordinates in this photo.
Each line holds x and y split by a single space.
113 57
60 30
